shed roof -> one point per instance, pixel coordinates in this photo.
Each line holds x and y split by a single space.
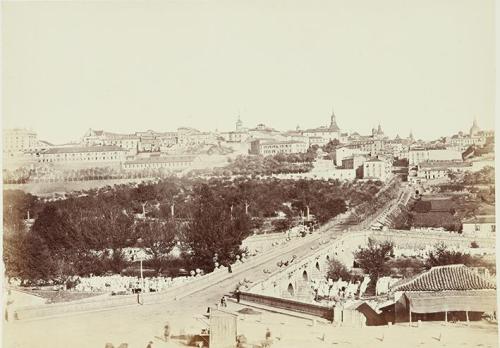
449 277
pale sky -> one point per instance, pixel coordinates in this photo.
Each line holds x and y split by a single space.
425 65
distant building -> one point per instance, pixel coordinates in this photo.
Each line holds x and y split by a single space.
327 133
347 151
160 162
272 147
353 162
480 226
19 140
378 133
475 136
376 169
440 169
129 142
417 155
86 155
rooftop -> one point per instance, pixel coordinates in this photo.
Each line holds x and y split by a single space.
165 159
79 149
443 164
450 277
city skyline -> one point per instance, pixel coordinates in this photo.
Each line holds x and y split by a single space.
73 66
245 126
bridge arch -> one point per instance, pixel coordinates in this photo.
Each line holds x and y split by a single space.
317 266
305 276
290 289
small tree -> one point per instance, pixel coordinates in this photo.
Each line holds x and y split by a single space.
281 225
373 260
337 270
441 256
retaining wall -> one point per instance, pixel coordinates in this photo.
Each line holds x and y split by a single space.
296 306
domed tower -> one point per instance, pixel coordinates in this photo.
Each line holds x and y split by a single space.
474 130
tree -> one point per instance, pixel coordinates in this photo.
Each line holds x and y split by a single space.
281 225
337 270
28 258
441 256
54 227
213 229
158 239
373 260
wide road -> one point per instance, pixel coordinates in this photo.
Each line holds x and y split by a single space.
138 324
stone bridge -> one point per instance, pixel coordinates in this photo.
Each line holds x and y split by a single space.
295 280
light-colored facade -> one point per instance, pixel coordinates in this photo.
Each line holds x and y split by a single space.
343 152
376 169
270 147
19 140
440 169
160 162
480 226
327 133
86 155
418 155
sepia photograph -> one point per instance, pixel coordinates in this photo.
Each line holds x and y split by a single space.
248 174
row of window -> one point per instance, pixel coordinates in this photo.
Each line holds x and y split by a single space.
158 165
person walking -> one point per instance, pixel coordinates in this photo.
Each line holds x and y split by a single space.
238 295
166 332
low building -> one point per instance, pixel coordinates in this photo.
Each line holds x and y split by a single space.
443 293
82 156
480 226
353 162
440 169
376 169
347 151
418 155
271 147
170 163
327 133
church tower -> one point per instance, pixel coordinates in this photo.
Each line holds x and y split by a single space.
475 128
333 123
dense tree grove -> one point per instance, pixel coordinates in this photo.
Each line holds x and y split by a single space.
86 232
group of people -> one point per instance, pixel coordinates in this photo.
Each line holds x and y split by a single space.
128 284
339 289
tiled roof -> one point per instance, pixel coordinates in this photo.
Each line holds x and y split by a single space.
450 277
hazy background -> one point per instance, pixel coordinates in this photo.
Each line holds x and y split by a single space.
424 65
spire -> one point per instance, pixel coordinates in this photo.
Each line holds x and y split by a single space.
333 123
475 128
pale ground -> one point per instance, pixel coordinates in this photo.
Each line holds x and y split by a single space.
136 326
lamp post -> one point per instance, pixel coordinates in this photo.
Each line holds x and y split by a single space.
142 275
